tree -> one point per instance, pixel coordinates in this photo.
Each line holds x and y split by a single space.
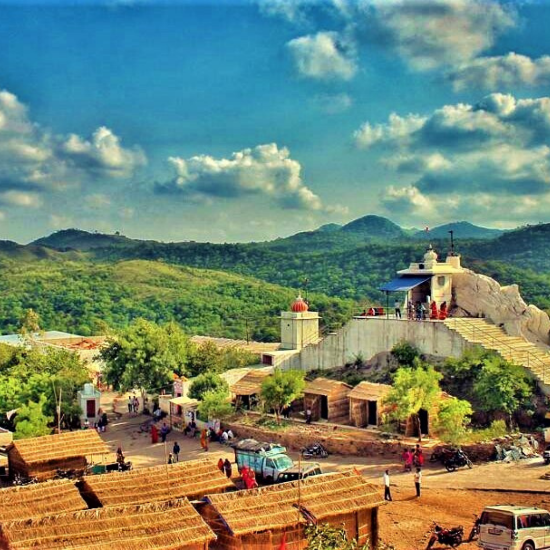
413 389
215 405
203 358
501 386
281 388
405 353
145 356
31 420
208 381
452 421
326 537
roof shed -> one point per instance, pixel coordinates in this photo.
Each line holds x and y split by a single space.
192 479
41 456
39 499
244 519
165 526
365 403
249 386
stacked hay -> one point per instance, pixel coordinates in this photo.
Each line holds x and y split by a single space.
40 457
167 526
192 479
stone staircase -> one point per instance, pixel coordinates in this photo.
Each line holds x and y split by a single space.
516 349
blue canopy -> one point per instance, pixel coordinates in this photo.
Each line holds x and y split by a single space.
404 283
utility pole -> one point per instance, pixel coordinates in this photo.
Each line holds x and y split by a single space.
452 243
58 407
247 333
306 283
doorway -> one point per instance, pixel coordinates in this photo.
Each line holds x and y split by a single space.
372 413
90 408
324 407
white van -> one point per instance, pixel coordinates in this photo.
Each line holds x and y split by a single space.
514 528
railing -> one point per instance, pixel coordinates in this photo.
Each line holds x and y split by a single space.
531 359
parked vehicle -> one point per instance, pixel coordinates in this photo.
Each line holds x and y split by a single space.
546 455
20 480
269 461
449 537
110 467
316 450
441 454
305 470
514 528
456 460
70 473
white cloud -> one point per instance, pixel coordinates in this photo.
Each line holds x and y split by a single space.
505 71
332 104
263 170
459 153
97 201
33 160
323 56
293 11
60 221
434 33
126 213
2 215
20 198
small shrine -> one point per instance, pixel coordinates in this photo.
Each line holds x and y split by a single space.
299 326
89 401
427 281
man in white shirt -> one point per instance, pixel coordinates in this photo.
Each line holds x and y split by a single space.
387 493
418 481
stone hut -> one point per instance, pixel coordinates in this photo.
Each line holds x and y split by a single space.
327 400
365 404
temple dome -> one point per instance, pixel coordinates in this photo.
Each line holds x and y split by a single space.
299 305
430 256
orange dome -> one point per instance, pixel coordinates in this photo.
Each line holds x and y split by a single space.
299 305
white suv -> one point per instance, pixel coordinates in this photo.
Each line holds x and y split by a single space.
514 528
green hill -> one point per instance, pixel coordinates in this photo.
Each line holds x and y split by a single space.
82 240
85 298
462 230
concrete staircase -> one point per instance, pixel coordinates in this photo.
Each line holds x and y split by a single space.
516 349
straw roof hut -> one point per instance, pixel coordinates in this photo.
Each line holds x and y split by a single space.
248 519
327 400
249 386
40 499
365 403
41 456
167 526
192 479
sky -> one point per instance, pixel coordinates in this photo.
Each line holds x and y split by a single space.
249 120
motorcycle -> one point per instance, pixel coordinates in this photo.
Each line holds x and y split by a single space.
449 537
316 450
68 474
20 480
457 460
474 533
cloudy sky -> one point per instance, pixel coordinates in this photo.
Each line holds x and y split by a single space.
247 120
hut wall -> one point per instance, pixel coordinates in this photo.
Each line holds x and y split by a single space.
48 470
358 412
338 407
365 524
16 464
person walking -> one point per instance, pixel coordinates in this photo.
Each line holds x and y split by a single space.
164 432
176 451
227 468
387 492
130 405
204 440
418 481
135 403
308 416
397 307
154 434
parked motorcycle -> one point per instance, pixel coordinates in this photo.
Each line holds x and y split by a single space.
70 473
474 533
457 460
449 537
20 480
315 451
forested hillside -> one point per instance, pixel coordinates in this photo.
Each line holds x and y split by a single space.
87 298
84 282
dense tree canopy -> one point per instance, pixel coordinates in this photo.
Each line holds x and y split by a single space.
281 388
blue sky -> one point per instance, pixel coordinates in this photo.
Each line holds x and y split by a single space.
236 121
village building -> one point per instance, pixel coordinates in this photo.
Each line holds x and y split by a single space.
365 404
89 401
192 479
183 410
247 389
40 457
264 517
39 499
157 526
327 400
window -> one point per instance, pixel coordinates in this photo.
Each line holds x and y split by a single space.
498 518
441 280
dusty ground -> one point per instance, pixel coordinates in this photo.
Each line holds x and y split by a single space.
449 498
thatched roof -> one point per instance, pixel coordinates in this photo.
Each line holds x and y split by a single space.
61 446
275 507
192 479
369 391
250 383
324 386
225 343
40 499
164 526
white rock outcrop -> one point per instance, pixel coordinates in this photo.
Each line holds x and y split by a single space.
477 295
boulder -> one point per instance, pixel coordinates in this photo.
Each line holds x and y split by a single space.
477 295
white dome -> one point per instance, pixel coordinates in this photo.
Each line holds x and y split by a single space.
430 255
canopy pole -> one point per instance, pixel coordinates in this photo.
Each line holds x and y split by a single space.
387 305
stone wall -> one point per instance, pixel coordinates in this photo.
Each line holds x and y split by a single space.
372 335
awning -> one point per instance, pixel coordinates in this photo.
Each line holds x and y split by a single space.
183 401
404 283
